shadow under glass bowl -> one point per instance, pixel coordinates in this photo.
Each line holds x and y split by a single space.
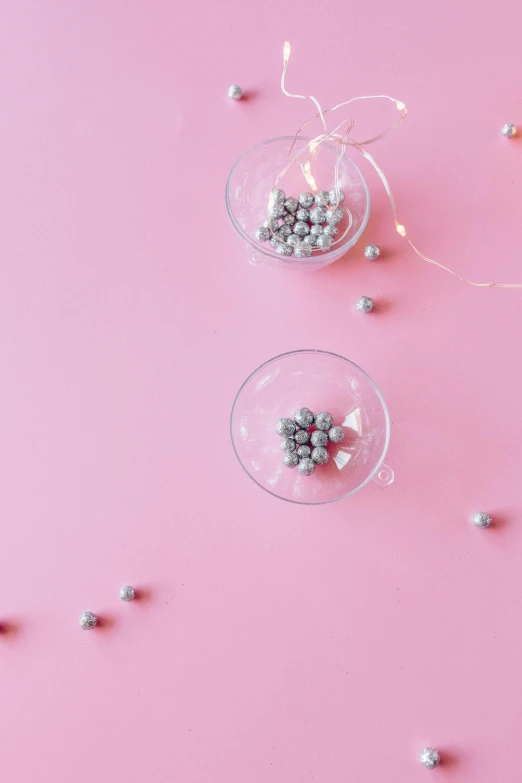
321 381
254 175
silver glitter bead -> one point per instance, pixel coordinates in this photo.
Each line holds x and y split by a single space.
283 249
330 230
88 621
302 436
294 240
262 234
301 229
303 451
291 204
365 304
372 252
509 130
336 197
306 200
481 519
234 92
276 211
306 466
320 455
322 198
303 250
323 421
336 434
317 230
324 242
291 460
317 215
303 215
272 224
278 196
288 444
430 758
318 438
310 239
304 417
334 216
284 232
285 427
127 593
289 219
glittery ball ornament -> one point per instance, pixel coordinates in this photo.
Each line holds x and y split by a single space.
285 427
294 240
291 204
317 230
430 758
304 417
287 444
336 197
301 229
302 215
284 249
285 231
303 250
289 219
306 200
324 242
372 252
88 621
127 593
322 198
320 455
481 519
331 231
262 234
336 434
306 466
317 215
234 92
509 130
291 460
323 421
303 451
276 211
278 196
310 239
302 436
318 438
365 304
334 216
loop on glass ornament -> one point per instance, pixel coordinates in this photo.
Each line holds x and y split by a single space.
384 476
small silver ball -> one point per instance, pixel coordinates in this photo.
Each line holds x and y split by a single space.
310 239
430 758
291 460
302 436
278 196
324 242
317 230
303 451
88 621
262 234
288 444
234 92
303 215
291 204
509 130
289 219
294 240
303 250
276 211
330 230
322 198
481 519
320 455
283 249
304 417
336 434
372 252
284 232
301 229
336 197
271 224
317 215
127 593
285 427
306 466
306 200
318 438
334 216
365 304
323 421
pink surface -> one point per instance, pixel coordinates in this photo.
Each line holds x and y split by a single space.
273 642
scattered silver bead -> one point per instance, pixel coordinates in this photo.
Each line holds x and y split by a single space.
334 216
302 436
288 444
323 421
330 230
372 252
262 234
283 249
278 196
276 211
365 304
127 593
303 451
317 215
284 232
234 92
289 219
306 466
317 230
302 250
291 204
294 240
306 200
303 215
336 197
88 621
318 438
304 417
301 229
291 460
336 434
285 427
320 455
310 239
430 758
324 242
509 130
322 198
481 519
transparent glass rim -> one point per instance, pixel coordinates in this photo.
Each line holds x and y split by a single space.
262 249
377 391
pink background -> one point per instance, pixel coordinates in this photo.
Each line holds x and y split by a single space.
273 643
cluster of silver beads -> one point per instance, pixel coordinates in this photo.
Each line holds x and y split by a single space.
305 439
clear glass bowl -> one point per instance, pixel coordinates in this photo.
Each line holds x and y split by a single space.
321 381
253 177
